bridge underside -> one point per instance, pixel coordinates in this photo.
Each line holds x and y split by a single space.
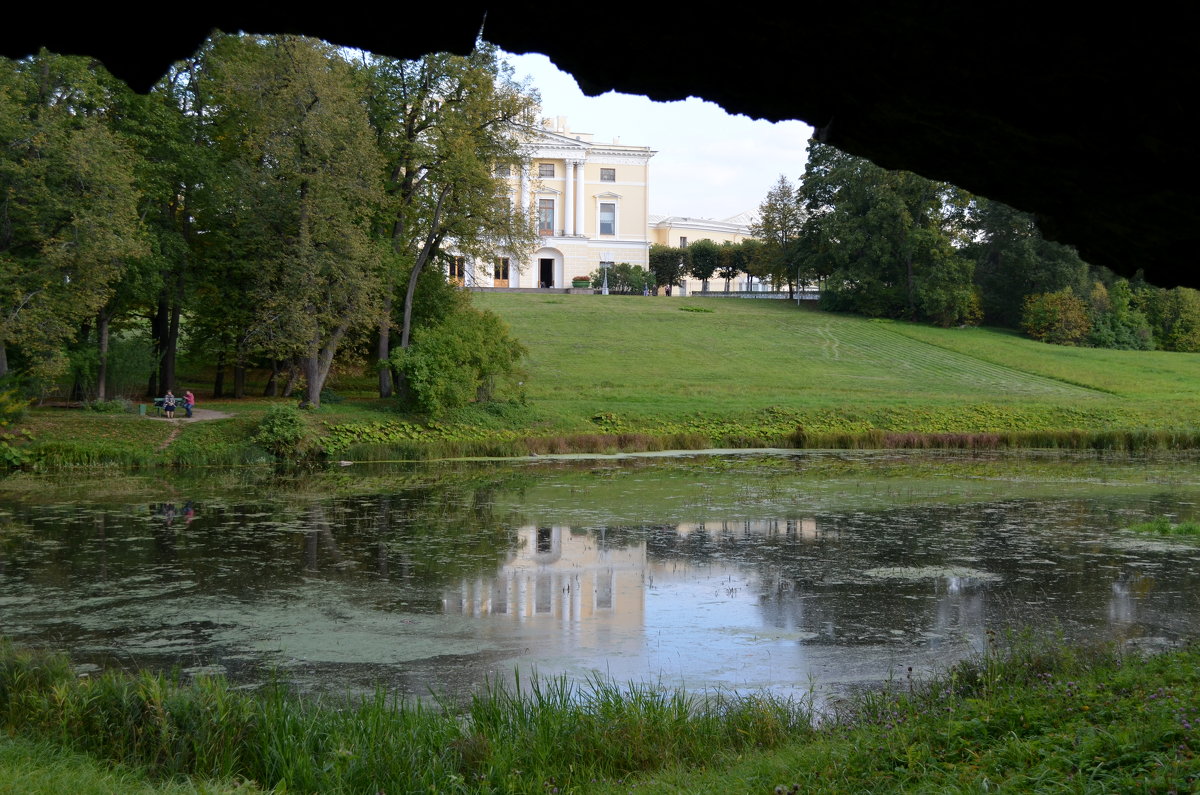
1078 119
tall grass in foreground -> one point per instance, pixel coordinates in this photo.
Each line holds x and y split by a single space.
552 733
1033 718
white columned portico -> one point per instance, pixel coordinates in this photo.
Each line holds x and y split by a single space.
579 197
569 209
524 187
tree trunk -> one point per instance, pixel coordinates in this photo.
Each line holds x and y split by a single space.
158 333
317 364
167 374
383 350
293 376
3 358
312 386
219 380
102 369
272 387
158 325
432 242
239 373
239 380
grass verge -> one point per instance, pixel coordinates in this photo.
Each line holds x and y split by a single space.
1034 717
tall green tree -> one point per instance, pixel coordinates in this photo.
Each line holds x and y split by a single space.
1013 261
1115 321
729 264
668 264
174 127
68 203
1173 314
705 259
297 193
444 125
779 227
893 239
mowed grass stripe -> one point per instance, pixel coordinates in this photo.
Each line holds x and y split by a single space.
880 343
1134 374
636 349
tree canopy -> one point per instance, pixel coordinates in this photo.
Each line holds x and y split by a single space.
444 124
274 200
68 203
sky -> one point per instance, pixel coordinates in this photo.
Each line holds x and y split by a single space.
709 164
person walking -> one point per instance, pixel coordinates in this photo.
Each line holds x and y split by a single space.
169 405
189 400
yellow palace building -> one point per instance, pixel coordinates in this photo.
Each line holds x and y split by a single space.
590 200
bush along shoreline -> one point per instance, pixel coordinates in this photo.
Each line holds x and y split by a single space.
1032 715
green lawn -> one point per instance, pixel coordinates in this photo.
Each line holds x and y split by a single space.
645 358
635 373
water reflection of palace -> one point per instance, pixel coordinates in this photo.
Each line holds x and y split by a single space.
571 574
805 529
797 592
558 573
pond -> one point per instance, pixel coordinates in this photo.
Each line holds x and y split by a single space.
793 572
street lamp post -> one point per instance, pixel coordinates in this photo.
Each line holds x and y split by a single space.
605 264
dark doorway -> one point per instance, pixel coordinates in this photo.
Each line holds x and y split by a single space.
545 273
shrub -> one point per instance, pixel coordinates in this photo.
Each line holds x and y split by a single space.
283 432
1060 317
12 410
115 406
464 357
624 279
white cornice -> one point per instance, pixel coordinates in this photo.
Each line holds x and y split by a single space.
619 157
542 138
705 224
544 144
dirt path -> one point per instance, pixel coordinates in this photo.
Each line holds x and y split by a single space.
198 415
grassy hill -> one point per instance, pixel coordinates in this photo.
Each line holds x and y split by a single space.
634 373
650 360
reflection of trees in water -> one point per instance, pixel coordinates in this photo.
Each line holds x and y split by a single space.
426 535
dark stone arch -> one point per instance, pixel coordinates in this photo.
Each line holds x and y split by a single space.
1080 119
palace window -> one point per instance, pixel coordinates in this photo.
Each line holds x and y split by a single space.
608 175
501 273
545 169
458 269
682 242
503 171
545 216
608 218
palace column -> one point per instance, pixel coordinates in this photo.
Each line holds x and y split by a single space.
569 208
579 197
524 187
